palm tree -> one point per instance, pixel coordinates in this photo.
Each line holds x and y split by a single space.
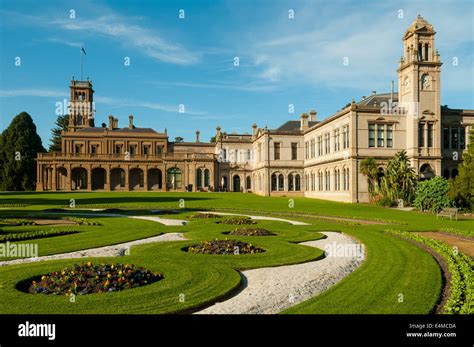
368 167
399 181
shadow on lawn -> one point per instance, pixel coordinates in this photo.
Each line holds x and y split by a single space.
102 200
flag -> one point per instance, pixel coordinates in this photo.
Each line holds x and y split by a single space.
82 48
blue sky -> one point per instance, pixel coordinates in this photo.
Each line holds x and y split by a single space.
190 61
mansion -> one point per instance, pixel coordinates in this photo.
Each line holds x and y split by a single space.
306 157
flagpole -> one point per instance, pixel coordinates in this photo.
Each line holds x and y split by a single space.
82 78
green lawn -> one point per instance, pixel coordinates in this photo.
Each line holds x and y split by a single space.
394 268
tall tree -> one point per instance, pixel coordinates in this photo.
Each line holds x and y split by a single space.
399 180
462 187
20 145
61 124
368 167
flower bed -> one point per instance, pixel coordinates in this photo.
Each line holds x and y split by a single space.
238 220
205 215
459 265
17 221
251 232
37 234
89 278
225 247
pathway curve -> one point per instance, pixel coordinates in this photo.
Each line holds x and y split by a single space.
273 289
292 222
106 251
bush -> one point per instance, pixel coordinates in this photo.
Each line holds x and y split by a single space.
37 234
386 202
460 267
238 220
432 195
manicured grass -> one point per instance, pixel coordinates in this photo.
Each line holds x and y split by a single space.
200 278
393 266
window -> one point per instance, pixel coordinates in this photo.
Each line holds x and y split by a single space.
320 181
94 149
146 149
118 149
224 154
389 135
306 150
371 135
276 153
274 182
294 151
249 156
306 182
297 183
133 149
174 178
430 134
206 178
281 182
159 150
259 152
421 135
345 137
328 181
446 138
290 182
327 144
77 149
462 138
312 148
320 145
336 140
198 178
380 135
454 138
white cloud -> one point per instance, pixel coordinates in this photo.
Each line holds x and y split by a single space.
132 36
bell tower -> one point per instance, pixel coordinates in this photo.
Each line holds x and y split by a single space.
419 75
81 107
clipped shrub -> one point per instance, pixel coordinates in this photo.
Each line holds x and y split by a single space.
225 247
238 220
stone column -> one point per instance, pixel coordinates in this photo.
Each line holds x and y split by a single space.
55 174
89 179
145 178
127 184
107 179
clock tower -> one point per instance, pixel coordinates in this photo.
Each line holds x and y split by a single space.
81 107
419 95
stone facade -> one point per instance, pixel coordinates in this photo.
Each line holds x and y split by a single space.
300 158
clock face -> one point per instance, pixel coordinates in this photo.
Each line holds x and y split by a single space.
406 83
426 82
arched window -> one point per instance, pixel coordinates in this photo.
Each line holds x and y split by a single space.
198 178
174 178
281 182
290 182
274 182
248 183
297 183
206 178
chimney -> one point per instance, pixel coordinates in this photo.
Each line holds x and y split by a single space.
197 136
312 116
218 133
374 92
130 122
254 130
111 122
116 123
304 121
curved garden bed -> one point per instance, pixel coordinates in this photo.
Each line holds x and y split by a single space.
225 247
89 278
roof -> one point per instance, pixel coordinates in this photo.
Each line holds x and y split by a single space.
293 126
120 130
376 100
420 24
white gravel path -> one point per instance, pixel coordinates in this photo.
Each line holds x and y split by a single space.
107 251
292 222
274 289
